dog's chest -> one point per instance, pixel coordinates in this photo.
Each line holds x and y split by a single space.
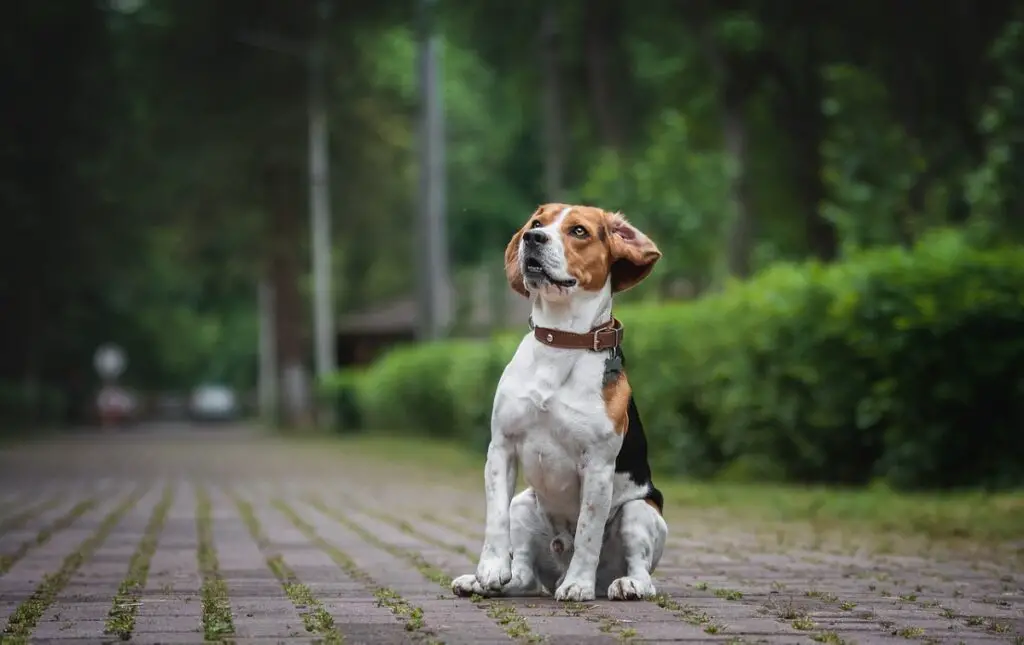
554 414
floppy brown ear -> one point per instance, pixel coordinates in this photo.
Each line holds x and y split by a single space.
512 270
633 253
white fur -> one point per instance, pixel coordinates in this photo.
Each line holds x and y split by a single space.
549 418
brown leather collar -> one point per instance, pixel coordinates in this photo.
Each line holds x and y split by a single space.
607 336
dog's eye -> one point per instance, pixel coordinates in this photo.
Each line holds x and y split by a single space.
536 224
579 231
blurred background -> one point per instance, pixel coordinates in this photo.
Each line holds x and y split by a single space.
297 210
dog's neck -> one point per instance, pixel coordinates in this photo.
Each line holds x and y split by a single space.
579 314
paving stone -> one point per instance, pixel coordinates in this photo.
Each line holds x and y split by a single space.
451 619
649 622
356 614
40 518
259 606
86 600
757 581
170 602
18 584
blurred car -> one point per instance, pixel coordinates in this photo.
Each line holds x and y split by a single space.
116 406
213 402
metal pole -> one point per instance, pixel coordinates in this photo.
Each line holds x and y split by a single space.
319 200
268 354
435 288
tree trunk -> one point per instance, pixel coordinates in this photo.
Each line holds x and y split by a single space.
554 128
285 231
603 47
736 81
807 127
741 233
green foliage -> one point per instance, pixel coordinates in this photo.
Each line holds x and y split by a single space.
867 176
148 187
340 390
993 188
899 365
674 190
482 125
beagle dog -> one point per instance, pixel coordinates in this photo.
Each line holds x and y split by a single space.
590 521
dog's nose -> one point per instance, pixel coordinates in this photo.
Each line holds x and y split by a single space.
535 238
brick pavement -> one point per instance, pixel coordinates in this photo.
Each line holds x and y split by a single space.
185 536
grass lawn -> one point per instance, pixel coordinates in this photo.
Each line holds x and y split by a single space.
965 516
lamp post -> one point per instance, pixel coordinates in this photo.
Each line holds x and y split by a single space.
434 281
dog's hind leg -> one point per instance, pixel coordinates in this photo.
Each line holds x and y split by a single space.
530 533
633 546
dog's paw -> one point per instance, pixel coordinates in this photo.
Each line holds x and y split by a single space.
523 579
494 572
468 585
574 591
561 579
630 589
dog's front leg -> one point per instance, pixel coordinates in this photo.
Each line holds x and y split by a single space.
494 570
595 504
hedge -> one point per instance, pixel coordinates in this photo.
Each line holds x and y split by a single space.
900 366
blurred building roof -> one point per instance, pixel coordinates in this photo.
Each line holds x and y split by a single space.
399 315
395 316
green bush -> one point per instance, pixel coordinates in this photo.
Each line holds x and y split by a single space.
905 366
340 390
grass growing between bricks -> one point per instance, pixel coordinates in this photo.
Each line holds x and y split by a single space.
510 620
410 615
506 615
7 560
22 518
971 516
689 614
427 570
409 529
217 620
25 618
121 618
451 525
315 616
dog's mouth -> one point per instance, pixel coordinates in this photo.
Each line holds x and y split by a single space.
535 272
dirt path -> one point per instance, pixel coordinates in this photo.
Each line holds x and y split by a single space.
181 536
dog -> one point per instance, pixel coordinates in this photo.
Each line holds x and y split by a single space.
590 521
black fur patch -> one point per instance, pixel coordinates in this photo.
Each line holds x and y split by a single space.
632 457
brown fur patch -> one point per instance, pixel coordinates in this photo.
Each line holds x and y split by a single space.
609 247
512 271
650 502
633 252
616 401
588 257
546 213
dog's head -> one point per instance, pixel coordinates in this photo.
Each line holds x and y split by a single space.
563 249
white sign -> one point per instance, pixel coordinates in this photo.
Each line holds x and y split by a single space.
109 361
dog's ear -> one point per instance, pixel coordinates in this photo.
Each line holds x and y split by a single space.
512 269
633 254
